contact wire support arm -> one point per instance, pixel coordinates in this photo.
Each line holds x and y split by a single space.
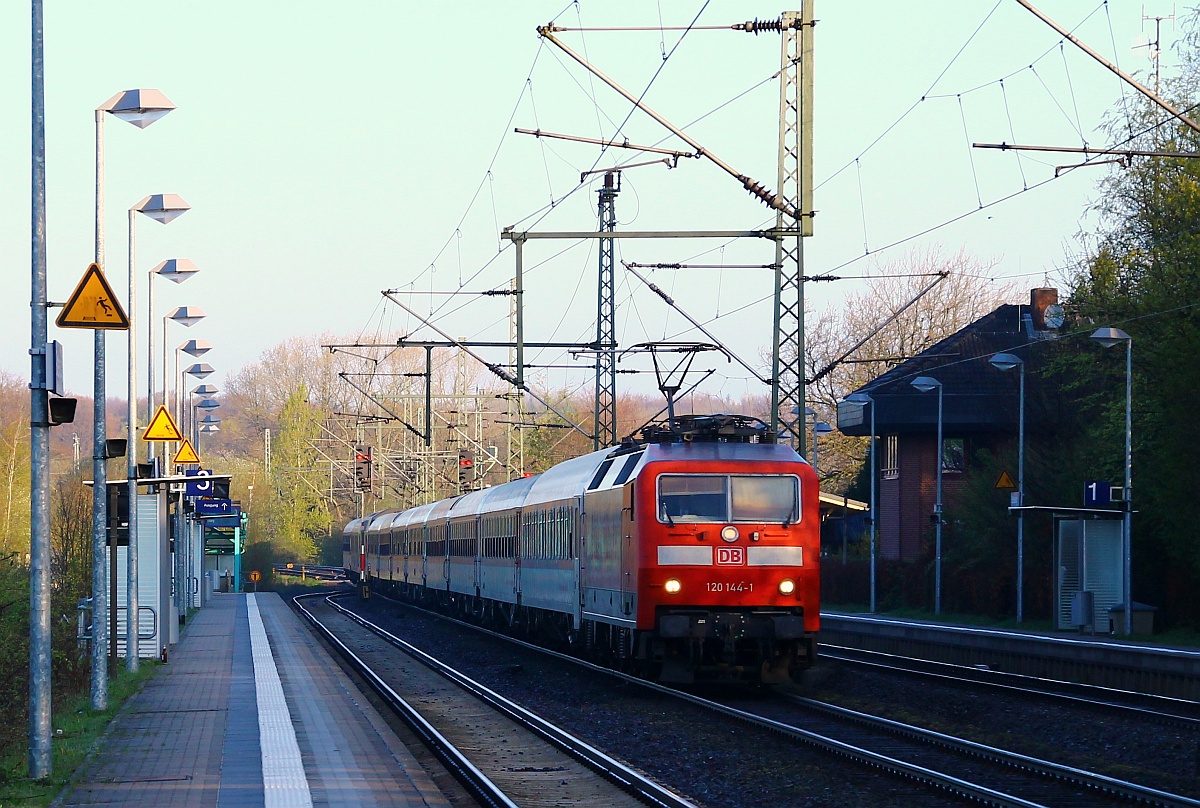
670 302
346 378
755 187
494 368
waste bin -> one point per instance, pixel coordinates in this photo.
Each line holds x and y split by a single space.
1083 609
1142 615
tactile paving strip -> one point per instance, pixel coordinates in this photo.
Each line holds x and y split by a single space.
284 782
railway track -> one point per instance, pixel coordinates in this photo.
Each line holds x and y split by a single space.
1149 707
502 753
960 767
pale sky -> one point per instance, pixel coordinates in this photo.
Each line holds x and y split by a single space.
330 151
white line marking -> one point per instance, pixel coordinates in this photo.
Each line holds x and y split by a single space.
284 783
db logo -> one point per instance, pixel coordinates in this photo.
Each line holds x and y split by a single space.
731 555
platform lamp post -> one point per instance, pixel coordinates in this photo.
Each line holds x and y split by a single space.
204 391
194 348
176 270
925 384
186 316
1108 337
1006 362
819 428
141 108
199 370
208 425
162 208
865 400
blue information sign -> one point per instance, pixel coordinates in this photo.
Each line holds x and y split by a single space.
215 507
202 487
1097 494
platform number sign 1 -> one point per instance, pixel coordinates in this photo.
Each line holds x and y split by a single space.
1097 494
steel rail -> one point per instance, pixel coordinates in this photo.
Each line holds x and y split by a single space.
1143 795
857 754
608 766
1108 698
974 791
474 780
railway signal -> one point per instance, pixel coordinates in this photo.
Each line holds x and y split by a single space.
362 467
466 467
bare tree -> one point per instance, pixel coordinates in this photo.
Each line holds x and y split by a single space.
967 293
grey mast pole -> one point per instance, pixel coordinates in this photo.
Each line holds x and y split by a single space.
131 585
40 758
100 637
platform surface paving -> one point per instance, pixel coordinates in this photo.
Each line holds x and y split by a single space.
250 711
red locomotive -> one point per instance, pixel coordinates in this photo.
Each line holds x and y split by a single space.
690 554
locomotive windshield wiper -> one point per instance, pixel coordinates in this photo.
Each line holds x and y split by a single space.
795 506
667 515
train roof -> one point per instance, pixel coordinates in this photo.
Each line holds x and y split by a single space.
381 520
605 469
508 495
762 452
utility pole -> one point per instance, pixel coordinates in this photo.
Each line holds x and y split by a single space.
606 326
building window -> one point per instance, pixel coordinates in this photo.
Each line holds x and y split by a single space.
953 456
891 463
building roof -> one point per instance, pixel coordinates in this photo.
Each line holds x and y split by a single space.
976 396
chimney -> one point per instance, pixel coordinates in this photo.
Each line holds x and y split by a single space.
1039 299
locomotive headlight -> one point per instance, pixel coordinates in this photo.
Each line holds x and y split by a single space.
672 586
729 533
787 586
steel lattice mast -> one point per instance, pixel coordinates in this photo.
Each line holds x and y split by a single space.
606 325
794 185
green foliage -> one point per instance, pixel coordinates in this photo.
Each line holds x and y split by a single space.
1141 277
295 513
81 729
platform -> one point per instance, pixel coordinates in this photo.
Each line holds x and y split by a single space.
251 711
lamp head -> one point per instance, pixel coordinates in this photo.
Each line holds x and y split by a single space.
200 370
140 107
1005 361
1109 337
209 404
822 428
925 383
196 347
186 315
177 270
205 390
859 398
163 207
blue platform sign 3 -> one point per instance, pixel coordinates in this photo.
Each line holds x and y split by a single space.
200 488
1097 494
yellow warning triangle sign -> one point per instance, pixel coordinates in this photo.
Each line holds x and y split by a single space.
1005 481
186 454
162 426
93 305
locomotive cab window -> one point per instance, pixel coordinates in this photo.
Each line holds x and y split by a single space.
720 498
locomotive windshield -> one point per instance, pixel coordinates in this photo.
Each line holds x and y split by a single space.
728 498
